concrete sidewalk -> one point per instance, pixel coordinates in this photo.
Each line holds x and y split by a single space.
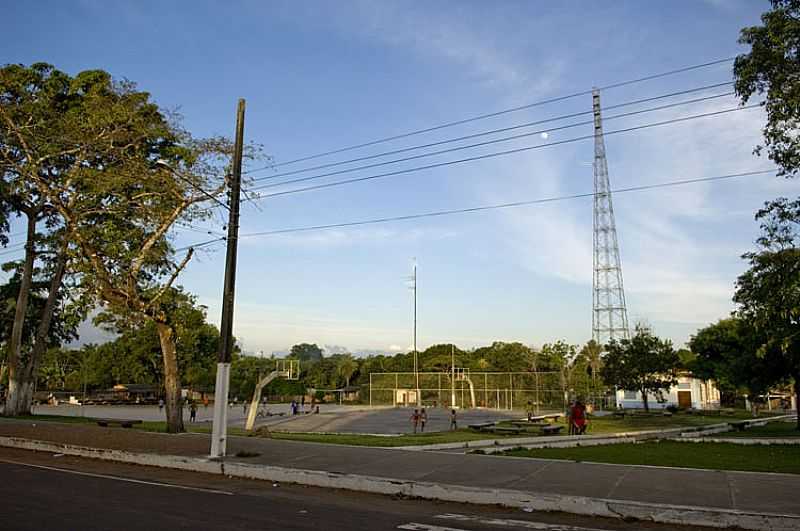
702 497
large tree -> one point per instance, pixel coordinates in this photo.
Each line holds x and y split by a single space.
126 173
729 352
346 367
768 293
642 363
306 352
37 107
772 67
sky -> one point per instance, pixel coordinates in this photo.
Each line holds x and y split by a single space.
321 75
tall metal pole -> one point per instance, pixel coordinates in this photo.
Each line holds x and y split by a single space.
452 376
416 363
220 425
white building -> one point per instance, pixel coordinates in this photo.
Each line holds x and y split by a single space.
690 392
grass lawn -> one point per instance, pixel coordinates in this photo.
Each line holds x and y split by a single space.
350 439
157 426
776 429
716 456
612 424
58 418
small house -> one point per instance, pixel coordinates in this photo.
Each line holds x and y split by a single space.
689 393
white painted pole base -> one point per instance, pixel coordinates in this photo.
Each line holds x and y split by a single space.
219 429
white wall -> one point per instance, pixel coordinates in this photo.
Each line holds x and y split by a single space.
705 395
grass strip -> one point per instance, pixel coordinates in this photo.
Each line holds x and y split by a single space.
704 455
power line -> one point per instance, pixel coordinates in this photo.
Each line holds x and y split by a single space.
437 213
503 153
498 113
485 133
200 244
489 142
195 228
188 181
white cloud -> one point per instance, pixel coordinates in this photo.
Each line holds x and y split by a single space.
339 237
453 36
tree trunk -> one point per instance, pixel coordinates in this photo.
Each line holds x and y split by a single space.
172 384
644 400
797 398
19 398
46 318
19 386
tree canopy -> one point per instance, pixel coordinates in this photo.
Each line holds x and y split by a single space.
306 352
772 67
768 293
728 352
642 363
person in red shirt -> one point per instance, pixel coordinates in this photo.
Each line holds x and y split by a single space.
578 417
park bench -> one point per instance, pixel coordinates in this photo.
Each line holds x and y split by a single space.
551 416
552 429
531 424
117 422
505 429
481 426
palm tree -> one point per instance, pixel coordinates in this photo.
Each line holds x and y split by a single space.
592 353
346 367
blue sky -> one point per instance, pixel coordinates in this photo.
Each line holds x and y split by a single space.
322 75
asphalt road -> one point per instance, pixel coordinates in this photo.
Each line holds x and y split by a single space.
46 491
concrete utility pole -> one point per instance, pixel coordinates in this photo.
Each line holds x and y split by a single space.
220 426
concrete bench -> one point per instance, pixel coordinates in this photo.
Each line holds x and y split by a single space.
504 429
551 416
117 422
552 429
480 426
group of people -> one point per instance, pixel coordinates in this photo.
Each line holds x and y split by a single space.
420 417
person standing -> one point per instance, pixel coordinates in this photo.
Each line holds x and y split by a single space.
423 418
453 422
160 404
415 419
192 412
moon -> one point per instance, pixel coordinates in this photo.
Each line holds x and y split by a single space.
544 136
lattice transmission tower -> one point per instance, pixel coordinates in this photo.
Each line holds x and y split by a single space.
609 313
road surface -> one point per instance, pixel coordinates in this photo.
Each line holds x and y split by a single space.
51 491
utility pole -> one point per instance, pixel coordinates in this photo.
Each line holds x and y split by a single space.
452 376
220 425
416 364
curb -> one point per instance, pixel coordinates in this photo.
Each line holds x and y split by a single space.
765 441
563 441
571 441
668 514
